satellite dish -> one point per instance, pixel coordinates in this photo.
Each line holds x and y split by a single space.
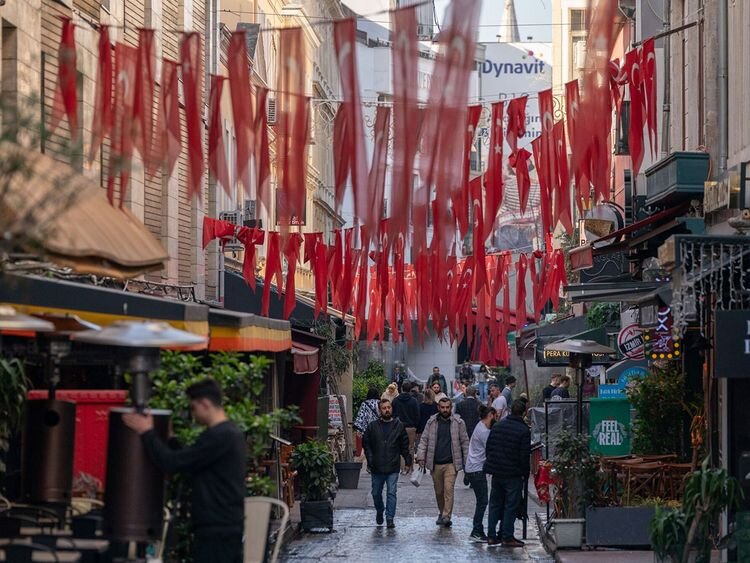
601 220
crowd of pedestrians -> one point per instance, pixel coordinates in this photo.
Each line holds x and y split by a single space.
422 430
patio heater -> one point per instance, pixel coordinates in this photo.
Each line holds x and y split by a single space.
581 355
134 491
49 430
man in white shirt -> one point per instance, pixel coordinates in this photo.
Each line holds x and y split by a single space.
498 402
475 470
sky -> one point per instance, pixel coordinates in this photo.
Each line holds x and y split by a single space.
528 12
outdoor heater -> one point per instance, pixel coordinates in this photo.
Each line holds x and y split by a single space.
581 357
134 493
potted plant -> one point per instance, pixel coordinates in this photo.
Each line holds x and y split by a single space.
690 533
314 463
13 388
575 475
620 526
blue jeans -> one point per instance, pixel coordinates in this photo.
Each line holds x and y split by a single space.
478 483
391 480
504 500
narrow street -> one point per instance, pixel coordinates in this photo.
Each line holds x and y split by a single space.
416 538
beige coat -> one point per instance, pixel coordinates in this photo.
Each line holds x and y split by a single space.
459 442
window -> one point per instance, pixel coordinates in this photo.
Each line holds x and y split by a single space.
577 43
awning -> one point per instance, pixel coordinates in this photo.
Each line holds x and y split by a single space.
602 292
306 358
245 332
533 335
546 357
49 203
102 306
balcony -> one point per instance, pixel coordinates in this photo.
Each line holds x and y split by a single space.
678 177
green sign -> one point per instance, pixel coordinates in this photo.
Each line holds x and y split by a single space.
609 426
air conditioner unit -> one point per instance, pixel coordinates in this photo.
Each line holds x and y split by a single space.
579 55
271 110
234 217
250 217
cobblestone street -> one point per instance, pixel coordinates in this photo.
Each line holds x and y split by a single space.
416 538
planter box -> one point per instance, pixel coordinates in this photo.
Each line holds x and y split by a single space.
678 177
316 515
619 526
348 474
568 532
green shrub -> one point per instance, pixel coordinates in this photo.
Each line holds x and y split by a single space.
314 462
372 376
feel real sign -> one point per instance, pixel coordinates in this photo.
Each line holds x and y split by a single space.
609 426
732 344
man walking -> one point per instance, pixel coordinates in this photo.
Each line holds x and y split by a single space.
406 409
554 383
217 466
562 391
385 442
498 402
510 384
443 450
439 378
508 451
475 469
468 409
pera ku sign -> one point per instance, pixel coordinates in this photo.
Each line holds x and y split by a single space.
732 344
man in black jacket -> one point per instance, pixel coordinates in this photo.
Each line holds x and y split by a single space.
217 466
385 442
508 451
406 409
468 409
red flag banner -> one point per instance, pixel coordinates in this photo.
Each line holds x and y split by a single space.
320 270
516 124
562 194
262 152
461 197
480 276
376 179
145 86
121 155
292 127
493 179
238 72
648 67
66 91
522 176
637 120
250 238
101 123
217 156
548 167
406 118
572 108
273 269
291 254
192 76
521 266
168 123
214 228
342 155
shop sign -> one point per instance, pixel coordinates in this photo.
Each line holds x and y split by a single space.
617 390
609 427
557 358
334 411
716 195
732 344
630 342
661 344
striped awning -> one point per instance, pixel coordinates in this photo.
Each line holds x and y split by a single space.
245 332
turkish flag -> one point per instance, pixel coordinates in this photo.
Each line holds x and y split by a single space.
522 177
250 238
360 312
342 156
376 179
461 197
121 154
346 279
215 228
521 266
145 86
238 72
262 153
345 42
168 121
291 253
311 239
66 87
478 229
538 276
217 155
273 269
507 259
637 119
292 127
516 124
406 116
101 123
320 270
562 194
572 108
493 179
648 68
547 165
192 79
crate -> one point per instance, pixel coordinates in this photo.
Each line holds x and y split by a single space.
92 426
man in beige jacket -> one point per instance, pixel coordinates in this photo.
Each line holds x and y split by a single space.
443 450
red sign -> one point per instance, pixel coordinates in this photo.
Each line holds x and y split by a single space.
630 342
660 343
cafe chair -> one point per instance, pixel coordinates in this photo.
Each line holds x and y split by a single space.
258 518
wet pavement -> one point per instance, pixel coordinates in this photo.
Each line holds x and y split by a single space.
416 538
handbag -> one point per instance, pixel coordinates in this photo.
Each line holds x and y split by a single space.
416 476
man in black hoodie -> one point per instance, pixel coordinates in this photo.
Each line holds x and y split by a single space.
406 409
508 451
384 442
468 409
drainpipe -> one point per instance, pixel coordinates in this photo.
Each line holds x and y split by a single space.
666 108
723 87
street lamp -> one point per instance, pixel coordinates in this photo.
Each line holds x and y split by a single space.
581 353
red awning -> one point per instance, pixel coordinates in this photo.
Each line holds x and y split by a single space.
306 358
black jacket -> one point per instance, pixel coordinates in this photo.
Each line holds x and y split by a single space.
426 410
561 392
508 448
406 409
383 453
468 410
